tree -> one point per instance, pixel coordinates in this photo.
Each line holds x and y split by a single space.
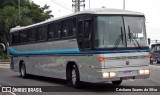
30 13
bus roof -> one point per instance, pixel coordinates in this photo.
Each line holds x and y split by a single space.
91 11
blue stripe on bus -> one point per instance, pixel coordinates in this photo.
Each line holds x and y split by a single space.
69 51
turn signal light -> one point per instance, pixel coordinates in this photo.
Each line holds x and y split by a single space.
148 56
100 58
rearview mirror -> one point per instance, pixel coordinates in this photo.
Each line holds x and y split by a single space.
149 41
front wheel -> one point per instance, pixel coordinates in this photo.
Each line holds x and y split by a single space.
117 82
74 79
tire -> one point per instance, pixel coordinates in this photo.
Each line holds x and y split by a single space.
155 62
117 82
73 79
23 70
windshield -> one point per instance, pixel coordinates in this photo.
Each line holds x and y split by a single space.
120 32
135 31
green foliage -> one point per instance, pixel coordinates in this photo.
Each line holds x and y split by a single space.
1 51
3 55
30 13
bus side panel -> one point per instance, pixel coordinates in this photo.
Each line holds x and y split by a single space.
54 65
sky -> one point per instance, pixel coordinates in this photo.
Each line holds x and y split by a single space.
151 9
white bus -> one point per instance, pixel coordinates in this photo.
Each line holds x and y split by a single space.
97 46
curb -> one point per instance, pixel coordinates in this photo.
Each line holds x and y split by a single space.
4 62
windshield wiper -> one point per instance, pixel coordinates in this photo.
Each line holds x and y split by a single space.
119 39
133 38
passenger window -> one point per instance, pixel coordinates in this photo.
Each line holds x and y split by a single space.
65 29
15 38
87 28
72 28
42 33
31 33
23 36
57 30
80 28
51 31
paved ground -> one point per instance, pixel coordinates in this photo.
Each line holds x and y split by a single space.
4 66
10 78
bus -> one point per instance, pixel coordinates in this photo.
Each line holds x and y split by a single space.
155 53
96 46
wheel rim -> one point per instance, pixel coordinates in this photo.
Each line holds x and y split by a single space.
22 70
74 77
155 62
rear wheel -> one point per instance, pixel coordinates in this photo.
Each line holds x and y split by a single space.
117 82
23 70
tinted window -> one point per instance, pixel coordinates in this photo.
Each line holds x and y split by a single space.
65 30
87 28
31 35
87 33
51 31
80 34
57 30
15 38
80 28
72 27
23 36
42 33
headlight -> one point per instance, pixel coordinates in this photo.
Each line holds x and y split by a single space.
109 74
141 72
105 75
145 71
112 74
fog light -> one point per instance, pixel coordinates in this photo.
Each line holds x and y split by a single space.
105 75
141 72
112 74
147 71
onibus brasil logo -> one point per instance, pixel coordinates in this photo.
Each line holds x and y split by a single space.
21 89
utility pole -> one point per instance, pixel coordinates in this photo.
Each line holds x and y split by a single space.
89 4
124 5
76 5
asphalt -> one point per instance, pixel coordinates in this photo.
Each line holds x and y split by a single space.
10 78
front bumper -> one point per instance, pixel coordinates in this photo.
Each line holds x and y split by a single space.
122 74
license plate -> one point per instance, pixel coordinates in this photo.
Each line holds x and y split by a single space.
126 78
127 73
